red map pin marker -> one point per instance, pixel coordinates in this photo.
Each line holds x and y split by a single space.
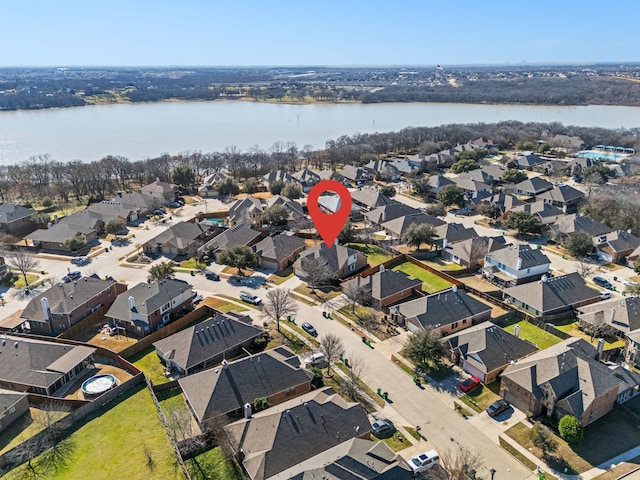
329 225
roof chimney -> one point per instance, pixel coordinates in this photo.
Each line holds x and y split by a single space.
45 308
516 331
132 303
613 314
381 268
519 263
600 348
247 410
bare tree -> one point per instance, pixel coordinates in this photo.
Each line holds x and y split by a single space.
355 293
355 375
277 304
584 269
332 348
22 260
597 327
180 425
317 272
48 451
459 464
369 319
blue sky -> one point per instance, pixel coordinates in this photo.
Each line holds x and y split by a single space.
326 32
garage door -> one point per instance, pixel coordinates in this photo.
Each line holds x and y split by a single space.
515 401
473 370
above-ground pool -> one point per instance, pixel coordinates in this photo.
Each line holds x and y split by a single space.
98 384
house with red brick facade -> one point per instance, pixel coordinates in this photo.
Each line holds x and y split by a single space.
65 304
148 307
384 287
445 312
223 392
208 343
567 378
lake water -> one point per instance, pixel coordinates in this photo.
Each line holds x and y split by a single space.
139 131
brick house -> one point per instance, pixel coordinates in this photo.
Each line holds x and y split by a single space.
65 304
208 343
148 307
567 378
16 219
277 375
12 406
385 287
446 312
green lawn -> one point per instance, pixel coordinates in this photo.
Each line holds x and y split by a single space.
24 428
193 264
319 295
592 451
397 442
443 266
431 283
528 331
213 465
149 362
480 398
171 399
115 443
570 326
375 255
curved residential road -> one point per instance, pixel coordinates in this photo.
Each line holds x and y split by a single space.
439 423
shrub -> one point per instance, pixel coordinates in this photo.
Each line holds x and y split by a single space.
571 429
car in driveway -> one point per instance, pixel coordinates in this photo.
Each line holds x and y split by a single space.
630 283
604 294
383 428
469 384
497 407
310 329
424 461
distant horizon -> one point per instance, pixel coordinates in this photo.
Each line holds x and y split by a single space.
333 32
311 65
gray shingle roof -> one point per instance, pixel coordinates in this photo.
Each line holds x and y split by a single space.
539 208
476 248
244 208
240 234
454 232
529 160
442 308
194 345
37 362
533 185
570 370
568 224
621 314
66 297
505 201
226 389
59 233
621 240
398 225
313 423
180 235
10 212
294 208
488 347
279 175
509 256
355 459
389 212
371 198
563 194
471 185
335 257
148 297
385 283
278 247
553 294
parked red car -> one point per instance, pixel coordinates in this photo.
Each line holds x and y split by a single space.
469 384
